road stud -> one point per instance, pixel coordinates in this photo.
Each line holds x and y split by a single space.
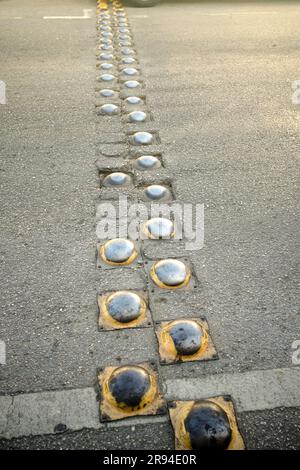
118 252
158 227
147 162
170 274
116 179
130 390
143 138
184 340
205 424
123 309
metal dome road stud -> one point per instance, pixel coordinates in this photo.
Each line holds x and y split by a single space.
133 100
130 390
137 116
117 179
106 66
107 93
124 43
107 77
187 337
105 28
158 227
124 30
185 340
170 274
106 47
109 109
105 56
123 309
147 162
124 37
132 84
143 138
130 71
205 424
128 60
208 426
106 41
130 387
118 252
156 192
106 34
127 51
105 22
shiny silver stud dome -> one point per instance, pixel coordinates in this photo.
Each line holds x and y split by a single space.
117 179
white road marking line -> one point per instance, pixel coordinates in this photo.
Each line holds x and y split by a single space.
242 13
39 413
87 14
251 391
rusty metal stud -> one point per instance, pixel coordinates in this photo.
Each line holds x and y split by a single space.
170 274
205 424
130 390
185 340
118 252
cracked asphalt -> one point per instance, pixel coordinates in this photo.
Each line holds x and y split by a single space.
219 85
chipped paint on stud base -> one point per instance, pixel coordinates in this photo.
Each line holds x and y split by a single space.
107 322
179 410
167 350
152 403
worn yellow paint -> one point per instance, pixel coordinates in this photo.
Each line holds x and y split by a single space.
151 403
167 351
180 410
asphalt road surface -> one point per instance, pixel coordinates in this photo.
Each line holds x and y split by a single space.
218 81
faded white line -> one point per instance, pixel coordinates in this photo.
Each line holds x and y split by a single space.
241 13
87 14
251 391
40 413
